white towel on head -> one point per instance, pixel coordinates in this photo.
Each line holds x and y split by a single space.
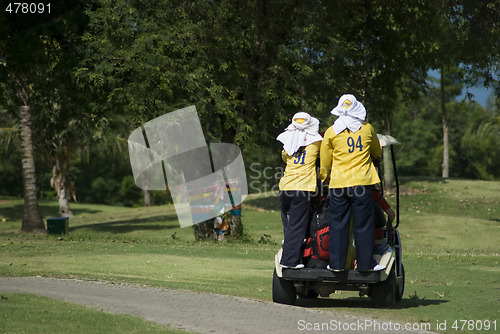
300 134
351 114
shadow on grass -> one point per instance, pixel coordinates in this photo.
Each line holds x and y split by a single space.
157 223
15 212
267 203
357 302
430 179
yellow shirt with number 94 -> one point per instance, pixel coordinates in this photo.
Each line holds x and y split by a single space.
346 157
300 171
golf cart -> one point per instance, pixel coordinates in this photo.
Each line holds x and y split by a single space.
384 288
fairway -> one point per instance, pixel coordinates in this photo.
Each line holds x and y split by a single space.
135 118
449 233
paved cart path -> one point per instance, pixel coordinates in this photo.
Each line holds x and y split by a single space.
192 311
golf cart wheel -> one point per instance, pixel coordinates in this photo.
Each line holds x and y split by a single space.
401 287
383 294
283 290
310 294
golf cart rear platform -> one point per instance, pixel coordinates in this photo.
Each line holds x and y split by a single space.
385 287
325 275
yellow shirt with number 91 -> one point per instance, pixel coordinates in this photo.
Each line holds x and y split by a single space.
300 171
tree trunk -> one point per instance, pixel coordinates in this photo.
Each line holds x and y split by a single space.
61 184
32 218
147 197
64 209
445 166
235 224
204 230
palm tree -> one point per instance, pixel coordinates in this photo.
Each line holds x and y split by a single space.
32 218
480 147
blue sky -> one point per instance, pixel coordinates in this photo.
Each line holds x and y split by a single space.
481 94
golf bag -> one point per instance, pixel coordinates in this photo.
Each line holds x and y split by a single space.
318 241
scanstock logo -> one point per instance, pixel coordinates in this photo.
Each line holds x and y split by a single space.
204 180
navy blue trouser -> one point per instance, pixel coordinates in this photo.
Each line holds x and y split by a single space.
295 215
359 199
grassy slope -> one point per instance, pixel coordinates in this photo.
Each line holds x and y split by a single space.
449 233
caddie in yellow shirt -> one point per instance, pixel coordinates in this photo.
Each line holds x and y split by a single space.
301 144
346 154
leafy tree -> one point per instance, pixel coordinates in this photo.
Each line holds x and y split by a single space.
229 59
239 62
479 146
473 132
17 48
481 50
31 48
10 170
373 50
450 87
247 65
461 25
418 124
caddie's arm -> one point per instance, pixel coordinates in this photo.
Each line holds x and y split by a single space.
375 148
325 156
284 156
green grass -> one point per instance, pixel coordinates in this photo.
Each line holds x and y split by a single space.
24 313
449 233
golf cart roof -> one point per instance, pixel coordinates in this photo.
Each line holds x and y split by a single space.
386 140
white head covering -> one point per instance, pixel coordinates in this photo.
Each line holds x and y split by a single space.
351 114
300 134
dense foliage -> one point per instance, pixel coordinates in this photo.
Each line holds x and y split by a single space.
474 138
96 70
